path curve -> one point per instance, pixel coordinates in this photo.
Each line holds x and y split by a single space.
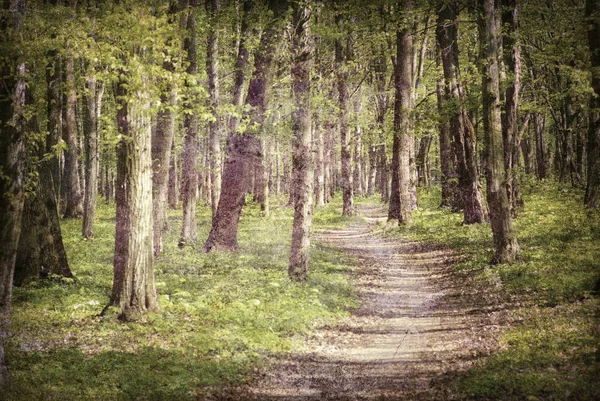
408 333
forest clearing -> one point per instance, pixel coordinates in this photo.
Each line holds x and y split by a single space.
299 200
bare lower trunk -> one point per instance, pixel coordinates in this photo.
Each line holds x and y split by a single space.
162 138
92 154
319 166
505 241
12 164
133 285
71 185
302 163
592 191
342 57
189 192
212 66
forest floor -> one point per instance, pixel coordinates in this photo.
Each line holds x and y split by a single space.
417 326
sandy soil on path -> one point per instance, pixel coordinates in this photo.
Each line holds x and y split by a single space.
411 331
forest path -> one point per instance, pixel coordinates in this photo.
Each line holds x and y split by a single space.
412 326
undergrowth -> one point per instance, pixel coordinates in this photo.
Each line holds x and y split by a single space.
220 313
551 350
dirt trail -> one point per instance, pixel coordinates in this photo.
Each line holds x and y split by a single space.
409 329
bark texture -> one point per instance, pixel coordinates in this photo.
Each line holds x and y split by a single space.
12 162
71 184
401 200
91 131
592 192
343 55
462 130
189 190
302 163
133 285
505 241
244 150
212 67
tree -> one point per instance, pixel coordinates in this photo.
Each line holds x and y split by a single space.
71 184
302 163
212 66
13 127
463 132
593 173
510 130
243 149
505 241
400 198
133 284
189 192
91 131
343 57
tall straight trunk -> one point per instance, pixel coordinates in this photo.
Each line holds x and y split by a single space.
263 188
505 241
342 58
423 159
212 67
541 147
54 126
12 163
173 193
401 200
162 139
71 183
302 163
592 191
133 284
463 132
329 152
278 170
189 192
358 148
510 130
319 165
243 150
91 132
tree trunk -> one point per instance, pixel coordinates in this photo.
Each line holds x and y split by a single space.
12 163
505 240
91 132
212 67
133 285
592 191
302 163
423 160
243 150
189 192
54 126
401 199
71 184
462 130
510 130
358 149
342 58
319 166
173 195
162 139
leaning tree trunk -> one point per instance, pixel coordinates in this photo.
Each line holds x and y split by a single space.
91 131
12 163
243 150
342 58
463 132
71 184
189 192
401 199
593 168
505 241
302 163
133 285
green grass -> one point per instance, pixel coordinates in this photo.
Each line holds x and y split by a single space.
221 313
552 350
